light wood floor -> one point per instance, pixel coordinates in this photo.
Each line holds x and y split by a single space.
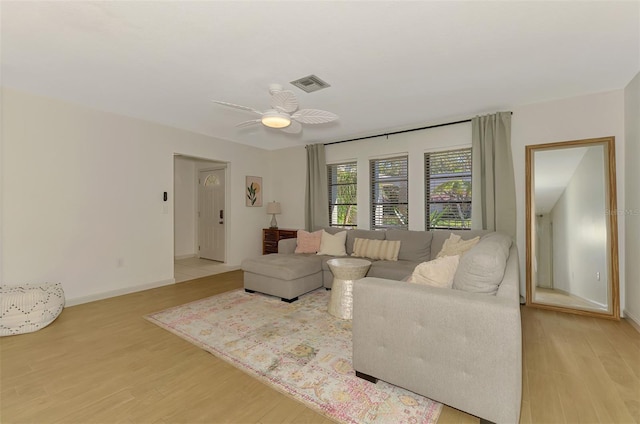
102 362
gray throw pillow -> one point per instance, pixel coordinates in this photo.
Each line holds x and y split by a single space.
482 267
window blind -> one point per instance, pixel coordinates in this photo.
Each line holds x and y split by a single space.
389 193
343 195
448 189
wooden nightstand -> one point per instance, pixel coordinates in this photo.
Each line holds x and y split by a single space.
271 236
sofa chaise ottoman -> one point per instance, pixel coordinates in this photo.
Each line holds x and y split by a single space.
284 276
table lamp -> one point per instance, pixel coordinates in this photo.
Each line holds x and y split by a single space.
273 208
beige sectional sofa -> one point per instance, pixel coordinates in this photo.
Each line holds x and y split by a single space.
459 346
272 274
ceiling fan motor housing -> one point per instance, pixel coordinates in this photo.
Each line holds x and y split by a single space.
274 88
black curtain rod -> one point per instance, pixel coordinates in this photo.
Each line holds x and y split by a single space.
400 132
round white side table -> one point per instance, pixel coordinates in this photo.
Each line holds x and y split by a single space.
345 272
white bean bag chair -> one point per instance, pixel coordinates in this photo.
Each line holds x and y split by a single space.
28 308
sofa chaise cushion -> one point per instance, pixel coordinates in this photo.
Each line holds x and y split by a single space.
284 267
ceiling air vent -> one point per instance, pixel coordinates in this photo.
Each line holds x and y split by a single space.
310 84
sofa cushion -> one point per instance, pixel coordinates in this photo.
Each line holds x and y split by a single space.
393 270
454 245
415 245
436 273
481 268
308 242
376 249
355 233
282 266
333 244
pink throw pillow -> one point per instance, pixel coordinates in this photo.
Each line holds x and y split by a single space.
308 242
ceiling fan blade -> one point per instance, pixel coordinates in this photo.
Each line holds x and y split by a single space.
314 116
248 123
294 128
237 106
284 101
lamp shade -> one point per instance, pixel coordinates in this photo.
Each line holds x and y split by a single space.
273 208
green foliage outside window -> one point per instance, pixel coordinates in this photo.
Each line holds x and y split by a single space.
448 189
343 195
389 193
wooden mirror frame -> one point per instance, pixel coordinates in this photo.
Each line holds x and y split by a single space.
613 311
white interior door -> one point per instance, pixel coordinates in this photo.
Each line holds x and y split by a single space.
211 215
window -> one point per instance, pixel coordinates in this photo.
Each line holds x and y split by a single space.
389 193
343 199
448 189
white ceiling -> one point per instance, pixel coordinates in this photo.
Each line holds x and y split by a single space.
391 65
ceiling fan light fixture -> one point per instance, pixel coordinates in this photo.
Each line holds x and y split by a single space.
274 119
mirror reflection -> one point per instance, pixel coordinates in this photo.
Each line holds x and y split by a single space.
571 260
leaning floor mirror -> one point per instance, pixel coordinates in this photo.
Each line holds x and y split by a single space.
571 227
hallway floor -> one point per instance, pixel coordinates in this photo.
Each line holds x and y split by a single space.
192 268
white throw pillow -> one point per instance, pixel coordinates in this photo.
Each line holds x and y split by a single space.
333 245
454 245
436 273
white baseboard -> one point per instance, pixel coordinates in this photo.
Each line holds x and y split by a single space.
113 293
632 320
179 257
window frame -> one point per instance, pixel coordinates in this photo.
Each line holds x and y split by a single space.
330 185
464 176
374 194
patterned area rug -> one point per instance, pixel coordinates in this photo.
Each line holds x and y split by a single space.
297 348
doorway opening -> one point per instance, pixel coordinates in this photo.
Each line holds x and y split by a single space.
200 198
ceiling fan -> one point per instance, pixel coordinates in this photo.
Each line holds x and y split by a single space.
284 113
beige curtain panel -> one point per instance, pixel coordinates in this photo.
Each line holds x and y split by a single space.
493 205
316 196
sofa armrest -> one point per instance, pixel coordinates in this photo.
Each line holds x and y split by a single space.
287 245
462 349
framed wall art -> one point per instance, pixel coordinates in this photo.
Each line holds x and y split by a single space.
253 191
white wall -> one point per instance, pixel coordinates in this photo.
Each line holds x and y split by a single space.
576 118
580 232
632 199
289 170
184 207
82 197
